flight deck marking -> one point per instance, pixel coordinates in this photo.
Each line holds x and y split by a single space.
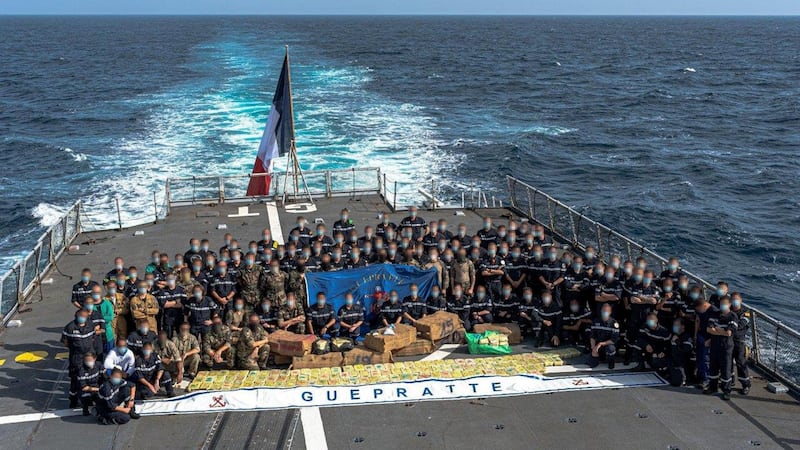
443 352
274 222
62 355
313 430
2 361
31 357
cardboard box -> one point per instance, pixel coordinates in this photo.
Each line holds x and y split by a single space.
418 347
438 325
332 359
364 356
282 360
456 337
287 343
509 329
403 336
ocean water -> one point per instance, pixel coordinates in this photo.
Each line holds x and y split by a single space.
683 133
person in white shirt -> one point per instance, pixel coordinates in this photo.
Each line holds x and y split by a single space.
121 357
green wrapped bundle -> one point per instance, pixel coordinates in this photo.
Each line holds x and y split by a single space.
488 343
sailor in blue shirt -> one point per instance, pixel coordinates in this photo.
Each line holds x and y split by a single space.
506 308
391 311
414 307
89 381
681 348
351 317
82 288
115 400
414 223
576 323
550 314
528 317
652 344
721 328
436 302
604 337
149 374
320 318
481 307
740 341
459 304
79 337
487 234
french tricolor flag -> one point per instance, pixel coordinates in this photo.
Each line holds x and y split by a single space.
277 137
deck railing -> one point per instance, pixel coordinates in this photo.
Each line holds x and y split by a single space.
774 346
26 275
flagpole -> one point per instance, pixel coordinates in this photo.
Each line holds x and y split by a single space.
294 161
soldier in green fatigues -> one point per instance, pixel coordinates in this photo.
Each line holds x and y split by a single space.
249 280
189 349
252 349
297 283
217 347
273 284
291 316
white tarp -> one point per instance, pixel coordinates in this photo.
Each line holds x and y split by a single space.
264 398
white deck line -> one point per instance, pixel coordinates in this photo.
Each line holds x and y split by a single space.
313 430
274 222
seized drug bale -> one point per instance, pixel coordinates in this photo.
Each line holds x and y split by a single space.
281 360
364 356
438 325
332 359
418 347
509 329
287 343
456 337
402 337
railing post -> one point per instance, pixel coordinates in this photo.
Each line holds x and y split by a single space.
755 349
328 184
119 218
394 202
777 341
221 189
433 195
167 198
155 207
353 194
384 187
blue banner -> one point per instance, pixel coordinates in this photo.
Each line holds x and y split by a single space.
369 284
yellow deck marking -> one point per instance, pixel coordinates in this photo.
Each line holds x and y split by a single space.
62 355
31 357
2 361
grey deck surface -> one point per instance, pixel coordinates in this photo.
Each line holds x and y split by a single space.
681 418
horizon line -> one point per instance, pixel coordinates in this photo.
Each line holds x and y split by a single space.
101 14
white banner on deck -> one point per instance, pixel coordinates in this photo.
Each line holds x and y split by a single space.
264 398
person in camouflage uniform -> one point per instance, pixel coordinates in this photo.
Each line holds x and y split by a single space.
462 273
217 344
273 284
297 284
291 316
252 349
186 281
250 282
189 349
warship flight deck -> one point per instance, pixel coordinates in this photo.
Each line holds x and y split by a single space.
33 388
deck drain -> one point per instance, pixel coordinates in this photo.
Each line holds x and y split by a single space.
410 405
499 426
358 439
755 443
642 415
422 433
718 412
673 447
572 419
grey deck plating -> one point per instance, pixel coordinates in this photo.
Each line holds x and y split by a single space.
625 418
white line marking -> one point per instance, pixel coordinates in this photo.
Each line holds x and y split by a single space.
313 430
444 351
274 222
35 417
579 368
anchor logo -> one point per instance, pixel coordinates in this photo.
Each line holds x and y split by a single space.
580 382
218 402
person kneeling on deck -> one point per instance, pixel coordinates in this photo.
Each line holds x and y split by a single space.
217 344
392 311
170 356
652 344
150 374
321 319
414 307
89 381
507 307
551 316
528 319
351 317
189 350
291 316
252 349
115 400
481 307
576 324
605 334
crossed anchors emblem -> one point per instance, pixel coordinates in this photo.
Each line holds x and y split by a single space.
218 402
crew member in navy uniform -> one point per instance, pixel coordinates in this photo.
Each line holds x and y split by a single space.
141 335
351 317
89 381
355 261
415 223
193 254
721 328
528 318
171 301
550 328
380 229
459 304
576 323
487 234
506 308
462 237
739 341
115 400
551 274
431 238
79 337
83 288
672 272
604 337
681 348
323 239
344 225
652 345
436 301
670 306
222 287
516 270
414 307
302 231
150 374
391 311
481 307
704 311
722 290
576 281
321 318
644 298
492 270
200 308
266 242
118 272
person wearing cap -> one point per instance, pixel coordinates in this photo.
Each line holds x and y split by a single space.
115 400
414 223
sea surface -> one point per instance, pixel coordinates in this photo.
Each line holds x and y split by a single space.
683 133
